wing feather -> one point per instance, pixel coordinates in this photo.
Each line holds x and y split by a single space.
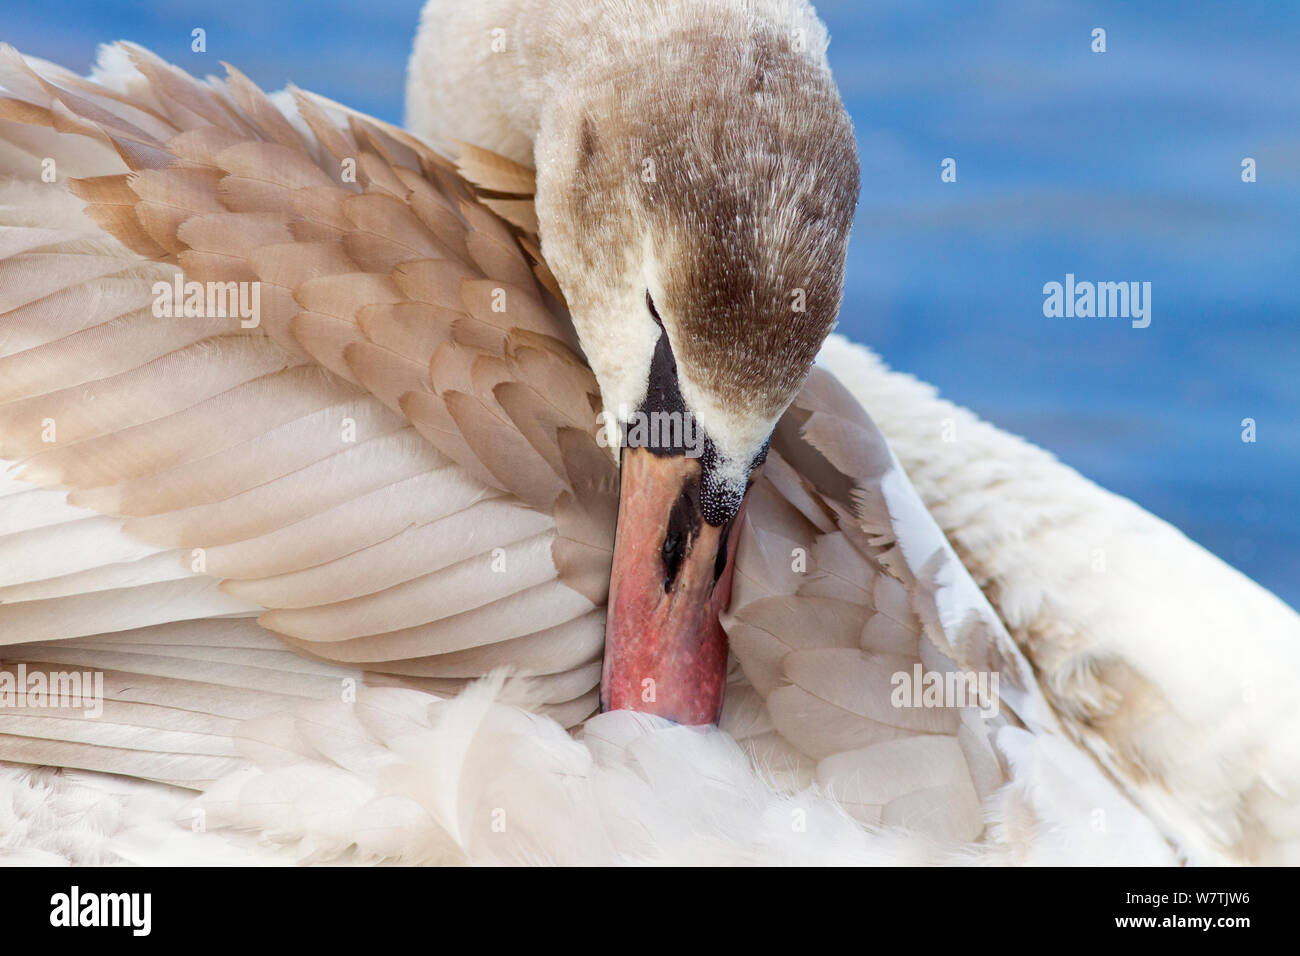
313 469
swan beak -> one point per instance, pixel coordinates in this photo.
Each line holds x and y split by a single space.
665 651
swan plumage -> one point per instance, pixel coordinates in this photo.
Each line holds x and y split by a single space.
203 531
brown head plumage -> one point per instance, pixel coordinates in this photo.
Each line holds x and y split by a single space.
718 181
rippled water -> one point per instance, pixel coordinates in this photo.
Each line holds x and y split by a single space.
1113 167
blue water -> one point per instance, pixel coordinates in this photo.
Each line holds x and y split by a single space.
1120 166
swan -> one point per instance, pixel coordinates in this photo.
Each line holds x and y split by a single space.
361 579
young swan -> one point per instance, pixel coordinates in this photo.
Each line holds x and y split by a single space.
696 180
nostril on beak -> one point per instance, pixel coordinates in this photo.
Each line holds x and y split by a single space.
673 551
683 523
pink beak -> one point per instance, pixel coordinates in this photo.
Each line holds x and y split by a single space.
665 652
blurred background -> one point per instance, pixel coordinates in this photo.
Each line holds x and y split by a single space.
1118 166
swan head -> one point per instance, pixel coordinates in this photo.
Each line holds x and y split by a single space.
696 215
